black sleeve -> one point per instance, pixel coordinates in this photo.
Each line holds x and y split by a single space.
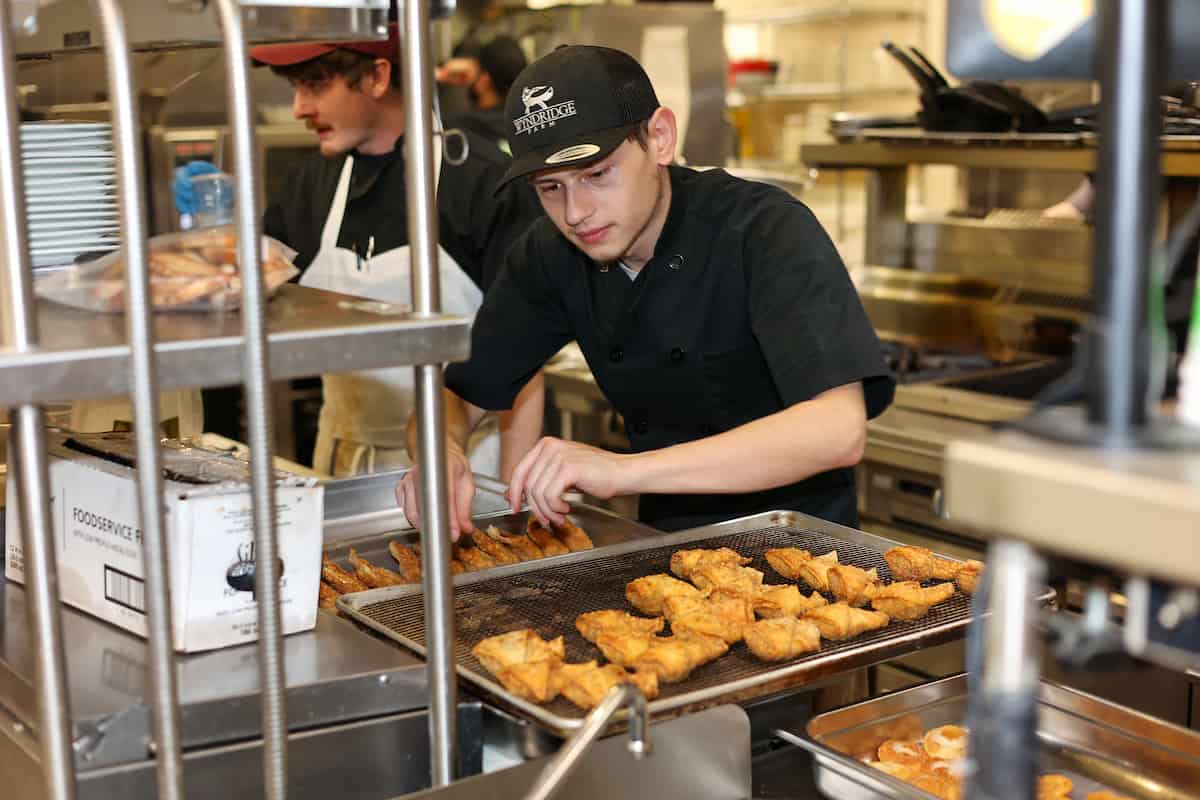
477 224
522 322
285 217
805 311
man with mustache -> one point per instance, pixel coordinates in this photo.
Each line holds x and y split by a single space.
714 312
344 213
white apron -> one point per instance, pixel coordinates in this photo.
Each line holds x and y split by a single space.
363 422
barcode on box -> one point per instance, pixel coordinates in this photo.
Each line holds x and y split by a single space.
124 589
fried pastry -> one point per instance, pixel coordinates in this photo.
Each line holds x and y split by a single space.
339 579
1054 787
326 597
782 638
456 566
523 646
956 768
785 601
910 600
672 658
843 621
545 539
519 543
374 576
623 648
647 594
472 558
407 559
683 562
815 571
787 560
741 580
939 786
497 551
724 617
904 772
911 563
948 742
594 623
853 584
909 753
573 536
585 685
968 575
536 681
1107 795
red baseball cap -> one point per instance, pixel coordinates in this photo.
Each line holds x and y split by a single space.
283 55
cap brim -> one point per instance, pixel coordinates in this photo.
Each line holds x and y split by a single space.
284 55
587 149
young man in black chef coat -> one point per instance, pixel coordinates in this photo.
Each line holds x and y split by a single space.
344 212
715 314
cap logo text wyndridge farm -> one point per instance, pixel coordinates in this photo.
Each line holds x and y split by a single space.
538 114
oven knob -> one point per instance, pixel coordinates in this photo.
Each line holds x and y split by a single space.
939 504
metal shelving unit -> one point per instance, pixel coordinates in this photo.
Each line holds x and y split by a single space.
55 353
84 354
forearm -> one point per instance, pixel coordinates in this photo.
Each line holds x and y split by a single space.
521 427
821 434
461 419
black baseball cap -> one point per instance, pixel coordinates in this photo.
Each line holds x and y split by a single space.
574 105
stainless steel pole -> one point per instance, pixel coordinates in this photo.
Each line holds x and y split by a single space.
1003 721
18 314
426 291
127 140
257 378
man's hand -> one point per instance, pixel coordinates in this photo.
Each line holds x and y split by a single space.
459 72
553 466
460 489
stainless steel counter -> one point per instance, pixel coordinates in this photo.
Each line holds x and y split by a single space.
335 674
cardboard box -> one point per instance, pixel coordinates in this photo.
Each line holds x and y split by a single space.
210 544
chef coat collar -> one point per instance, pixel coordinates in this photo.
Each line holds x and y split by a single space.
368 168
676 215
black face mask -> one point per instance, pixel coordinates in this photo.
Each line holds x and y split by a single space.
474 94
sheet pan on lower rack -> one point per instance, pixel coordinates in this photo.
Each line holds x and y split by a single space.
547 597
1099 745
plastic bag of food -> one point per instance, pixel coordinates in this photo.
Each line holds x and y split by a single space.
191 271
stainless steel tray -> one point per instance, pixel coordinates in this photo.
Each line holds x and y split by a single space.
1097 744
605 529
366 504
547 596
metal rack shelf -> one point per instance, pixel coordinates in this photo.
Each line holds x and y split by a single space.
85 354
803 16
1054 152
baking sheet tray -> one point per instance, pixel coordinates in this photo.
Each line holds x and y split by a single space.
1097 744
548 595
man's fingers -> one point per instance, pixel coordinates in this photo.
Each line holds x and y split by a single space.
463 492
409 503
516 484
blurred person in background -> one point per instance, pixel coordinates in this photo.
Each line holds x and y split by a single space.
487 72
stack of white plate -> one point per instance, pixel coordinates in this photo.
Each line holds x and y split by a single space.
70 190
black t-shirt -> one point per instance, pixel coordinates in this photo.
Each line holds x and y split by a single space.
744 310
475 226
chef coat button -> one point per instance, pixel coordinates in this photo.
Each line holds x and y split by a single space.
641 426
675 261
677 353
616 354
